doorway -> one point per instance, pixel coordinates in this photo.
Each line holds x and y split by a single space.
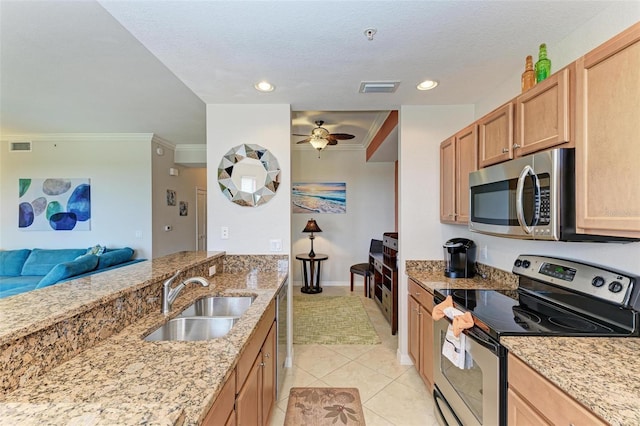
201 219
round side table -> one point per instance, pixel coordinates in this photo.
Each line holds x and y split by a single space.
311 272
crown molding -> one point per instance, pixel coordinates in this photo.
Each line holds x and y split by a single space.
60 137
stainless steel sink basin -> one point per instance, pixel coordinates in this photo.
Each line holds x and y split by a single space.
192 329
219 306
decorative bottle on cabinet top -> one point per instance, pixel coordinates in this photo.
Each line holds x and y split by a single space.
528 76
543 66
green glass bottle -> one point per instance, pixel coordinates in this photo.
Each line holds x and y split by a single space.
543 66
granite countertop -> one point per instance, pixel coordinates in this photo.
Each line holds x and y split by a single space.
167 382
599 372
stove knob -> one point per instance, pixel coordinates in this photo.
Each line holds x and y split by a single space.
526 264
517 263
597 281
615 287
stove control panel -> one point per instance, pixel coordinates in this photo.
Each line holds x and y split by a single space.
612 286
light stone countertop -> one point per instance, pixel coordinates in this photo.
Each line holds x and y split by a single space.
168 382
599 372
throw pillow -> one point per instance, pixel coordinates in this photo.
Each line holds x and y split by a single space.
114 257
12 261
41 261
97 250
61 271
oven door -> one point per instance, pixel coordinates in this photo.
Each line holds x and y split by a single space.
474 395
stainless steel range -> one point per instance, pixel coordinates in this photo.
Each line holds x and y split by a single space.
556 297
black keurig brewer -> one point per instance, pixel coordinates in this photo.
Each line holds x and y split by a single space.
459 258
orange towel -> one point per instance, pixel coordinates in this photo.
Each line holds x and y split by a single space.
462 322
438 310
459 320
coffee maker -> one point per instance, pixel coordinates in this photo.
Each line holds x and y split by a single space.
459 258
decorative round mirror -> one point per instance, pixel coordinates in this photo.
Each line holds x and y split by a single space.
249 175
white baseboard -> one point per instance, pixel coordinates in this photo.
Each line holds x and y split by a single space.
329 284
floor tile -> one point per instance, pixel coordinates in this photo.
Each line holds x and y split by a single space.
412 379
384 361
356 375
372 419
352 351
401 405
318 360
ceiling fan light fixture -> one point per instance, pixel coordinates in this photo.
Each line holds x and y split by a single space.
264 86
318 143
427 85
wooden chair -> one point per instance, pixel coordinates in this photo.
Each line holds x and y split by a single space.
366 269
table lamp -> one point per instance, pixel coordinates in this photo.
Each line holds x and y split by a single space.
312 227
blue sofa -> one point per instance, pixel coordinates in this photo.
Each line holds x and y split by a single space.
24 270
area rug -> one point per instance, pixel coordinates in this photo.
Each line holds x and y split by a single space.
324 406
331 320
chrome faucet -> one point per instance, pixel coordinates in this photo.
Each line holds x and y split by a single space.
169 294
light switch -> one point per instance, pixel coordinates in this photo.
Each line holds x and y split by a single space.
275 245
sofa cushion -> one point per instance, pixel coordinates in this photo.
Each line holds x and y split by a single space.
12 261
10 286
114 257
41 261
64 270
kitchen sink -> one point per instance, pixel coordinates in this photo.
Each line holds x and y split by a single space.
192 329
219 306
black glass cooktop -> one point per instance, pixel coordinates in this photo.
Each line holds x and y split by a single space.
516 313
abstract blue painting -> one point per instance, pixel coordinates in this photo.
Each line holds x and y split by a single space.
54 204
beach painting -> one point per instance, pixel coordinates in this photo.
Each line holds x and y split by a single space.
319 197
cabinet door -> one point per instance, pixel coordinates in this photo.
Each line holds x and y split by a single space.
495 134
268 374
222 410
426 347
248 407
414 332
448 181
542 115
519 413
466 162
607 148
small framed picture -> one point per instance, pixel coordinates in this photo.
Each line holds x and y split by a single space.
171 197
184 208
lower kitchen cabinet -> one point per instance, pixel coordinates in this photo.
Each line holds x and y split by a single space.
254 380
533 400
421 331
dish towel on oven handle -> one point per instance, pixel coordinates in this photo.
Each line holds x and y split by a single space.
455 342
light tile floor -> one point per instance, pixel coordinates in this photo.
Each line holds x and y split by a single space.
391 394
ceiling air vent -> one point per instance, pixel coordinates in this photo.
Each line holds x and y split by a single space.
379 86
20 147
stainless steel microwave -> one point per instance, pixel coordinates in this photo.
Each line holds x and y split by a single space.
532 197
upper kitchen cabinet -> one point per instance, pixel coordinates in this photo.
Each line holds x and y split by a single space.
607 146
542 114
495 132
458 158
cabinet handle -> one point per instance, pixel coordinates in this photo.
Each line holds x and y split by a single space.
267 355
505 150
417 293
516 146
262 364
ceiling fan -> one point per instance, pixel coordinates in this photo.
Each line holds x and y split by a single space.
320 137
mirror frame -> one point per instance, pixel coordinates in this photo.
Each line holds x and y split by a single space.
264 192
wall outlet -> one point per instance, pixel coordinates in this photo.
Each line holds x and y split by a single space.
224 232
167 228
212 270
484 252
138 234
275 245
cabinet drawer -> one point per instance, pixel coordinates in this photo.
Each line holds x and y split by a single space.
542 395
423 297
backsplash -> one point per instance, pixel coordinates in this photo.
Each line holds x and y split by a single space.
265 263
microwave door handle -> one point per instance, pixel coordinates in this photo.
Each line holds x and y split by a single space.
526 171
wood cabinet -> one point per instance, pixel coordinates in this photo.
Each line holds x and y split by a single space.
607 148
458 158
495 136
533 400
385 287
543 114
420 303
254 379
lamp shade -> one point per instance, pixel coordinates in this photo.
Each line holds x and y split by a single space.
318 143
312 226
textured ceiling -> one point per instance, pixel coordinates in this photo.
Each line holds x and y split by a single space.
151 66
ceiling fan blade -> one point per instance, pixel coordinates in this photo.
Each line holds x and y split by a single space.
298 134
341 136
332 142
304 140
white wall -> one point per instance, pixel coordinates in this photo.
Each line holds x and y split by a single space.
250 228
345 238
119 167
183 228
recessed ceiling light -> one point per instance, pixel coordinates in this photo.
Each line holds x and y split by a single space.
427 85
264 86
